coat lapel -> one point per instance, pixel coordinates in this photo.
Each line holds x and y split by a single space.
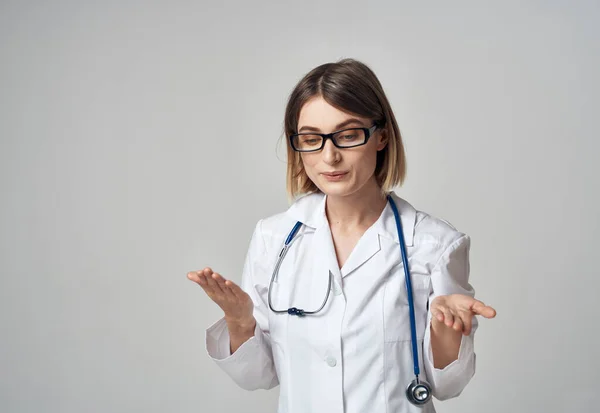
367 246
326 252
370 242
310 210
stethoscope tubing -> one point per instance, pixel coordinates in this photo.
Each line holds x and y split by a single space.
409 291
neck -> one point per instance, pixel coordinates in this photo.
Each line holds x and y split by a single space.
358 210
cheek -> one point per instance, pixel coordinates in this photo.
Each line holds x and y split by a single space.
365 163
308 161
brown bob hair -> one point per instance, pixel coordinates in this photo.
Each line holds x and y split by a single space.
352 87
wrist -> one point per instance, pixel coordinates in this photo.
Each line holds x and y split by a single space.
240 324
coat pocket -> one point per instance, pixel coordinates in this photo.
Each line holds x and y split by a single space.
396 313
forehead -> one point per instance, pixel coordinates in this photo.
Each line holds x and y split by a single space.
319 114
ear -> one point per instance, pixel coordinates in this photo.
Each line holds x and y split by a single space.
382 139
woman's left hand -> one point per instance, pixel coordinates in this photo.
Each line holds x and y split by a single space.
457 310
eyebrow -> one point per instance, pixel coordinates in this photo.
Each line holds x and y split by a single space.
338 127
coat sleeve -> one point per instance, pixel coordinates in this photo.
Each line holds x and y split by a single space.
251 365
450 275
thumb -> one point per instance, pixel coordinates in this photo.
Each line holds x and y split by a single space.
480 308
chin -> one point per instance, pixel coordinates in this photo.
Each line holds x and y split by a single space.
340 189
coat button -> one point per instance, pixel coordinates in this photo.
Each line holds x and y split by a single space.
331 361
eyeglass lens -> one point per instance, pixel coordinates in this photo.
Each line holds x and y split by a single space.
345 138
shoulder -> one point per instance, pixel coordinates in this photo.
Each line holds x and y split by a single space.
435 233
437 242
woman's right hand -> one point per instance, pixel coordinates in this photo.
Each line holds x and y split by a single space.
235 302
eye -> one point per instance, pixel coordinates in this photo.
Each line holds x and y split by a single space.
349 136
310 140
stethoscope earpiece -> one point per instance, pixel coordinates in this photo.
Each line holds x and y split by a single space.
418 392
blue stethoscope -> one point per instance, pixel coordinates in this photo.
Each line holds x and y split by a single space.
418 391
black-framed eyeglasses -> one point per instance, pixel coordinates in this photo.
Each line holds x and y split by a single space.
346 138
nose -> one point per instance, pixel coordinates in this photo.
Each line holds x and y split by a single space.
331 155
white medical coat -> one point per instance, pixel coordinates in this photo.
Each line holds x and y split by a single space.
355 356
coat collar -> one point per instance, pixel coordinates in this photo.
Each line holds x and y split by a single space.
310 210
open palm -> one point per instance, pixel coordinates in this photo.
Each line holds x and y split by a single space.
457 311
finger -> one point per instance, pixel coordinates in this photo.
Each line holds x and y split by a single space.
203 282
235 289
197 277
209 288
484 310
437 314
458 324
193 276
212 283
467 320
221 281
448 317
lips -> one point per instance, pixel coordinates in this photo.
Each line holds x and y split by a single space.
334 173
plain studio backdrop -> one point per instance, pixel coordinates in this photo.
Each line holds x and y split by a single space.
140 141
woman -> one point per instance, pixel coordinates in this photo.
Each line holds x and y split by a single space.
350 347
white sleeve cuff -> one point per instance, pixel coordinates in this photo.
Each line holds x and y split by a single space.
218 342
452 379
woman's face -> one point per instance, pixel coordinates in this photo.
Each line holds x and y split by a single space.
352 168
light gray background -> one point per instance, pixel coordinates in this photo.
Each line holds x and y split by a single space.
139 141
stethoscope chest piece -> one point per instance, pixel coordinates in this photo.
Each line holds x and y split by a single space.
418 392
